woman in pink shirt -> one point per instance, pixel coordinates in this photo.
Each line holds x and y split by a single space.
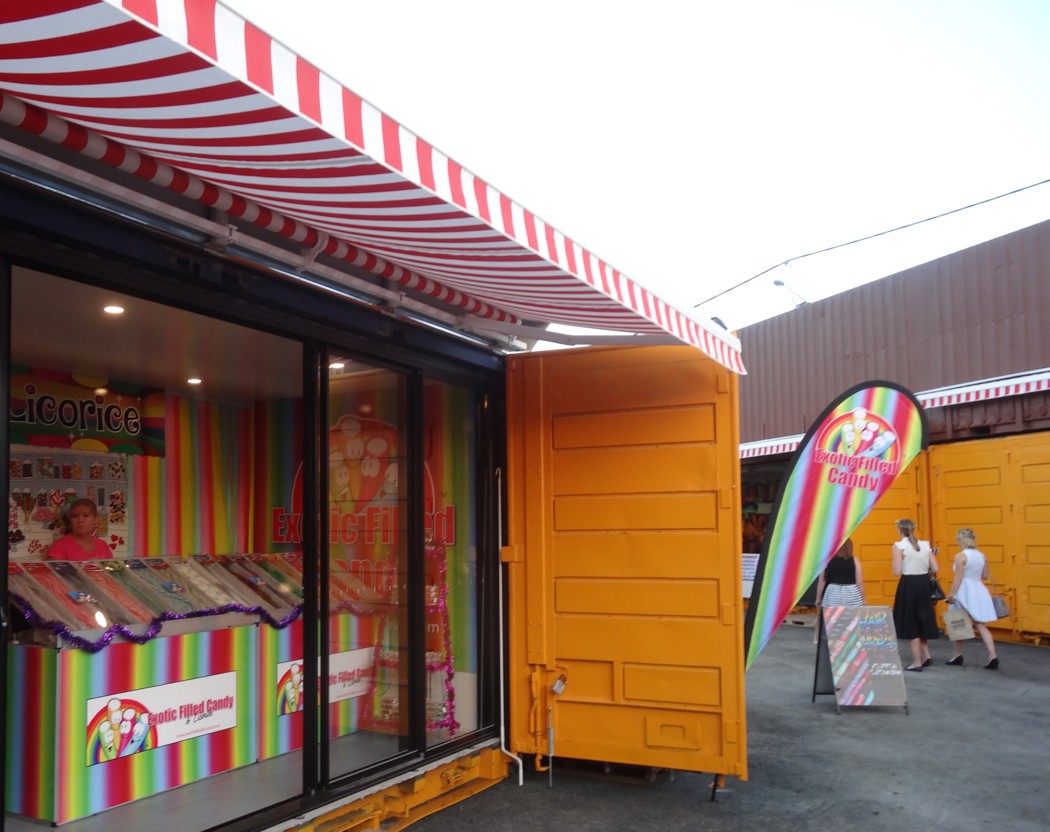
80 542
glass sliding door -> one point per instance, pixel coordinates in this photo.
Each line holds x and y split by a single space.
369 655
450 588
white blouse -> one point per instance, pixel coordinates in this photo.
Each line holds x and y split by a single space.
912 562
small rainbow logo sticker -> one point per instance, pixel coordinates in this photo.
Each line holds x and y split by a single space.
289 691
120 729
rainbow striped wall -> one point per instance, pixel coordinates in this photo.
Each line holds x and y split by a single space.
449 412
277 457
198 496
31 707
47 721
277 734
281 733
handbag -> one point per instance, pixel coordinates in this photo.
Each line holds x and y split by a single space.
957 624
1002 609
936 590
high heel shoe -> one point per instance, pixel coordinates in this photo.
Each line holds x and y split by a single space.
956 662
928 663
992 665
915 669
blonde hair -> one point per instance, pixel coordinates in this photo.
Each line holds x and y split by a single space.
907 528
966 538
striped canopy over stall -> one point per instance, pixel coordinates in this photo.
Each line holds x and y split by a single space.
187 95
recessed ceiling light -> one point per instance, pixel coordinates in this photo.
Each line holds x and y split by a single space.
113 309
336 365
193 381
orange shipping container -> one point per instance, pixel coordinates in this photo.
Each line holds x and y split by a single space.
998 487
625 603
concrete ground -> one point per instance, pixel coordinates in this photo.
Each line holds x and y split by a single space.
973 753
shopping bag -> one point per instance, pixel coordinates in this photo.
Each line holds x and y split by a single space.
1002 609
957 625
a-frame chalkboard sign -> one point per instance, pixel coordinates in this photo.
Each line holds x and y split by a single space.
858 660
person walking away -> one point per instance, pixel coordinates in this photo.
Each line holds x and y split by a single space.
913 616
969 592
841 583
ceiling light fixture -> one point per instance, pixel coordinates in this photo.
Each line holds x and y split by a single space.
193 380
113 309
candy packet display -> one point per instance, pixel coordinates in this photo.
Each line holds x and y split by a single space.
79 610
241 568
85 588
198 583
238 592
171 598
102 576
120 573
274 566
37 599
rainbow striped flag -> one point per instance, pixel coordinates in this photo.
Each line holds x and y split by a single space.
844 464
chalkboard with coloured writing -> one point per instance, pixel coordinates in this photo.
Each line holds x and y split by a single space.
858 658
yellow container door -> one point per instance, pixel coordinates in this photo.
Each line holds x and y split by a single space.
1000 488
625 608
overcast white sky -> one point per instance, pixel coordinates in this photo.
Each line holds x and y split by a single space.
693 145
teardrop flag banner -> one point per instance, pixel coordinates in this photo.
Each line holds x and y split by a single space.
844 464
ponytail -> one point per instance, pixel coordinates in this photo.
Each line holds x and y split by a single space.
907 528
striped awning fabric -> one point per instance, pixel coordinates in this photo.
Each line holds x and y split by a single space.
188 95
977 391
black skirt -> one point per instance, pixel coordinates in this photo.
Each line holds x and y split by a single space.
913 614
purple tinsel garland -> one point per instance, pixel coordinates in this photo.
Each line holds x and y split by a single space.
154 628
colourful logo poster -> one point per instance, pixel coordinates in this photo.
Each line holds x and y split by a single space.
129 722
848 459
349 676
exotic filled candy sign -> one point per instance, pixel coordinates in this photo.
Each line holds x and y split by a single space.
847 460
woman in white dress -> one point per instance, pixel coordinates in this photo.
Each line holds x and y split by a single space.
969 592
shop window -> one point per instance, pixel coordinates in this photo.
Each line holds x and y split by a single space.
368 638
184 432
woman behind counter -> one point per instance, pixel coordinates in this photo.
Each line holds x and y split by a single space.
80 542
913 616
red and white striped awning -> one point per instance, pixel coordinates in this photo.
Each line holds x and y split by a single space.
977 391
188 95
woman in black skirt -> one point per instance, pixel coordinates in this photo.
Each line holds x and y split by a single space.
915 562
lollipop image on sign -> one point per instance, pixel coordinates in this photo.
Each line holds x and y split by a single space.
847 460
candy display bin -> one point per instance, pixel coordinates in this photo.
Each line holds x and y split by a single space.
90 731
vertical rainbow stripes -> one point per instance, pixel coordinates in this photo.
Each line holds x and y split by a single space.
48 721
32 703
278 734
277 457
839 473
450 419
197 498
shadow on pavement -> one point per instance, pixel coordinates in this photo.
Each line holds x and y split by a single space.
972 753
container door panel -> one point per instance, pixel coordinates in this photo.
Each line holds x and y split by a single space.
1028 551
624 581
1001 489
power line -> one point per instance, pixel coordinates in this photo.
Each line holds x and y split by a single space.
870 237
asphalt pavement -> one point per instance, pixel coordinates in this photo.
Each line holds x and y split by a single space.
971 753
